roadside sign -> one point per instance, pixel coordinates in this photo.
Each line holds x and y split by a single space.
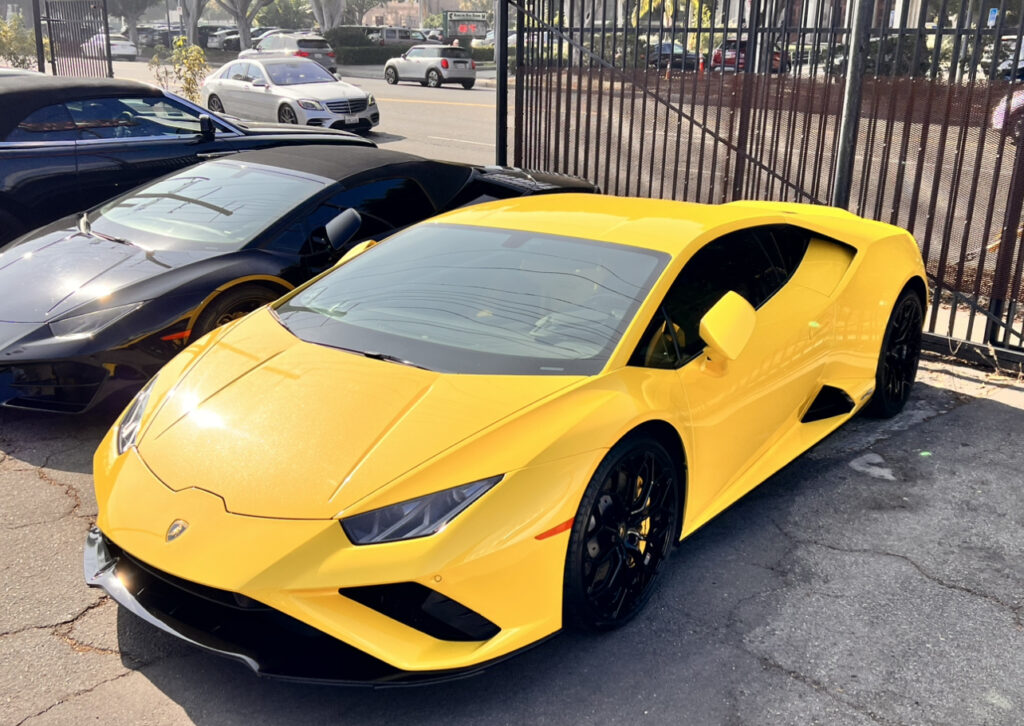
993 15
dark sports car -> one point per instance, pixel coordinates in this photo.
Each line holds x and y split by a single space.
67 144
94 304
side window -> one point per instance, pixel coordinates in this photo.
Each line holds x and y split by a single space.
397 202
737 262
255 73
108 118
787 247
235 72
50 123
414 53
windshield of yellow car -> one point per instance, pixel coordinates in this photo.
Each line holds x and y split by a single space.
462 299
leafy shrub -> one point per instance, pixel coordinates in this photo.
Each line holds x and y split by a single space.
17 43
187 70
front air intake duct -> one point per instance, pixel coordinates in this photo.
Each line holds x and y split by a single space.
425 610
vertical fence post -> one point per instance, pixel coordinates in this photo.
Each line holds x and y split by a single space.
1008 242
501 63
850 113
106 40
749 53
37 28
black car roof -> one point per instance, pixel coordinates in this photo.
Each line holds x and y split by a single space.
21 95
440 179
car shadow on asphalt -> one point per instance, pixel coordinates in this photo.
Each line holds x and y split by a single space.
745 605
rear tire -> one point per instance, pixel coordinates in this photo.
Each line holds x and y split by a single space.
433 78
231 305
391 76
624 529
468 84
214 104
897 362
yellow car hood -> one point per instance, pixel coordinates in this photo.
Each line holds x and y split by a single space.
278 427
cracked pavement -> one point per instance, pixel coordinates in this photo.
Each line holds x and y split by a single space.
879 579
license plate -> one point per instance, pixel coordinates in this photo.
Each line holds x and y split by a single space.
351 119
460 64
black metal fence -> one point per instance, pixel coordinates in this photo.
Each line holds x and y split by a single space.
717 100
79 37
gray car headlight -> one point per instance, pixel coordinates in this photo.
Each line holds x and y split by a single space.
370 100
88 324
414 518
310 105
128 430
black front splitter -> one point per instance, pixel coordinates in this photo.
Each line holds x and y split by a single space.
268 641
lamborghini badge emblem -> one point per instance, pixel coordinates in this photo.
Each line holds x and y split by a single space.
177 528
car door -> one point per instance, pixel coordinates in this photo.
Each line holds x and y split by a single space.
38 169
261 101
125 141
231 85
739 409
406 64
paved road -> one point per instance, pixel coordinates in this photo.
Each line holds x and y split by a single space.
877 580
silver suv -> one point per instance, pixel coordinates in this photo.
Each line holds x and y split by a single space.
433 65
303 45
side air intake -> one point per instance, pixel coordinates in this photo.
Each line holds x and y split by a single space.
829 402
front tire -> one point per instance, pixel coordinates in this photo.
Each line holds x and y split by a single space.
214 104
433 78
625 527
901 352
286 115
391 76
231 305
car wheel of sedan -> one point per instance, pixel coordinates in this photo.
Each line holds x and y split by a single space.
286 115
391 76
233 304
214 104
624 529
433 78
897 364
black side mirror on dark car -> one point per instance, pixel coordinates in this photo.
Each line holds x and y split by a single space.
207 131
343 228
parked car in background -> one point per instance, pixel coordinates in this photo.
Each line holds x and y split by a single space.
672 55
304 45
1011 69
117 291
390 36
731 55
290 91
67 144
205 32
1008 117
216 40
120 47
433 65
232 42
431 34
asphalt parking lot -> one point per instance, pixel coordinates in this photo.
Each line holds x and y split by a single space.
879 579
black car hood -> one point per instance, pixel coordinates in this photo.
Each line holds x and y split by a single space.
57 270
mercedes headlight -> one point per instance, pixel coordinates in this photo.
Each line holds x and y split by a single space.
419 517
128 430
310 105
370 100
88 324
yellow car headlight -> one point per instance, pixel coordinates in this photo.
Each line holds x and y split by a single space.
128 430
420 517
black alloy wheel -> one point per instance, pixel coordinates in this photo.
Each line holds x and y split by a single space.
286 115
214 104
433 78
897 363
391 76
233 304
624 529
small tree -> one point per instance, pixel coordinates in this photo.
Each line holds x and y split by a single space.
17 44
287 14
187 69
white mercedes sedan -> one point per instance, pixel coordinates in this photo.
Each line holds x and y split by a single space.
290 91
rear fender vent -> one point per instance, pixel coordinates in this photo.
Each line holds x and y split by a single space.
829 402
425 610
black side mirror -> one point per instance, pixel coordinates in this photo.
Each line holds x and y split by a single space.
206 128
343 228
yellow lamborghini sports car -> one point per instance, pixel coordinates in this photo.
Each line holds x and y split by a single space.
492 425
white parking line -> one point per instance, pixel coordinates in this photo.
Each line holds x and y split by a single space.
460 141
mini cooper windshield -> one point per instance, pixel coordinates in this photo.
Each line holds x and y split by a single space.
461 299
219 205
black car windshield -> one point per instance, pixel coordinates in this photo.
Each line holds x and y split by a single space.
462 299
219 205
296 72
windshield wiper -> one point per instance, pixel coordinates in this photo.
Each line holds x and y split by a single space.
390 358
85 228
